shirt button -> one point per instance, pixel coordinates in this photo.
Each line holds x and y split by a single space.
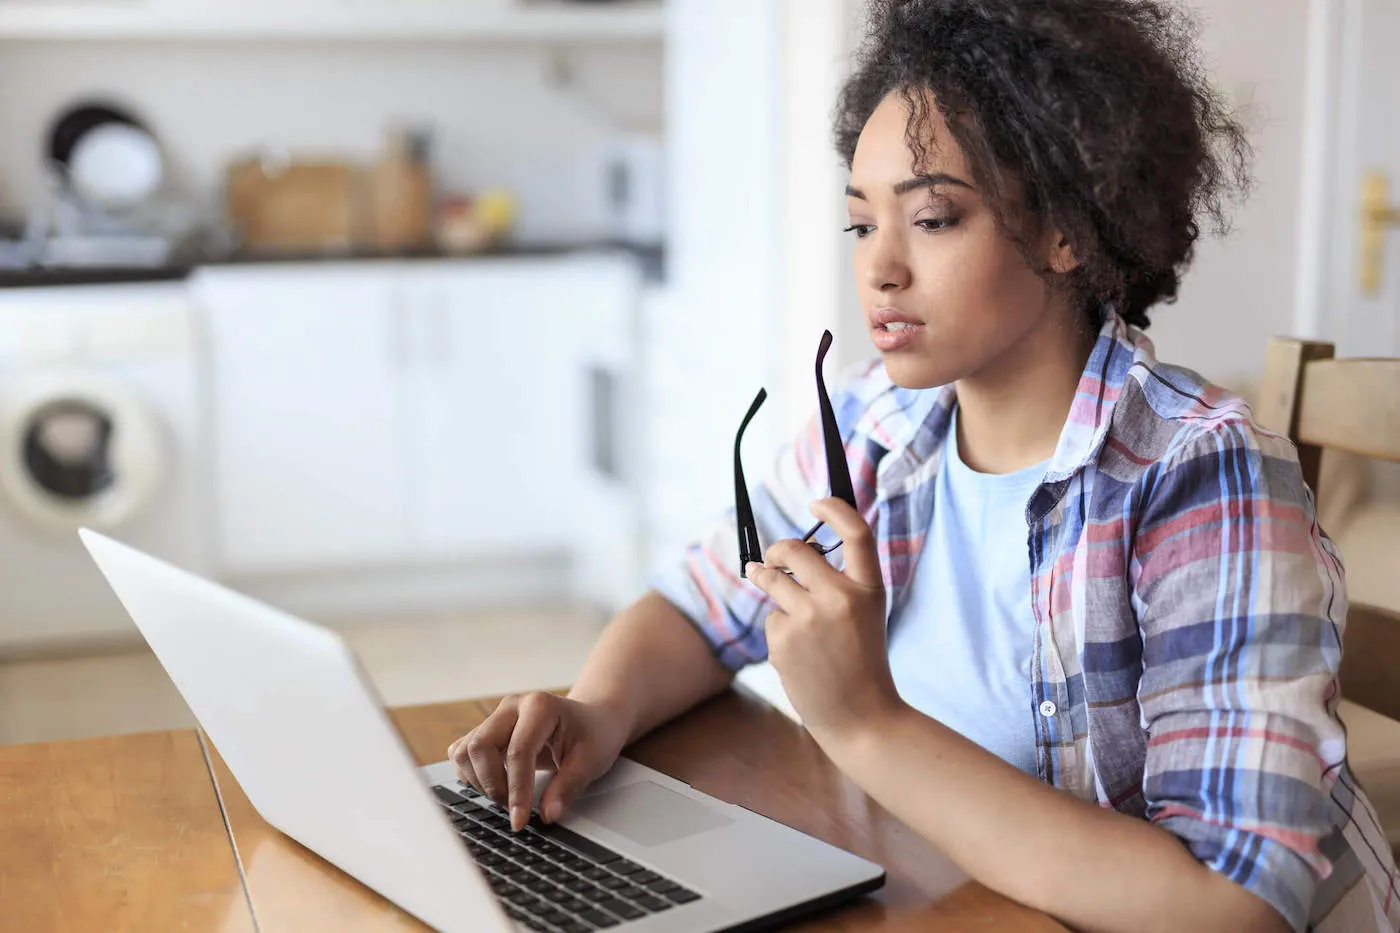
1048 709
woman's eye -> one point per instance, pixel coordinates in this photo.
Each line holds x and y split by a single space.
933 225
860 230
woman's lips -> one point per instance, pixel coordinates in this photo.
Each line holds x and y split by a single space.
888 341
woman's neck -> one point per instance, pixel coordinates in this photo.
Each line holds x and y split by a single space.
1011 413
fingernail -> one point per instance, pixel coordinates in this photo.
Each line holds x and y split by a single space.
752 566
551 812
519 816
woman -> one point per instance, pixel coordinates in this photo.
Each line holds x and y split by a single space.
1083 595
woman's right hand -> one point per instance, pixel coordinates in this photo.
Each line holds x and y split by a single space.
578 741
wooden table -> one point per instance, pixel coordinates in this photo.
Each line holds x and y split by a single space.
152 833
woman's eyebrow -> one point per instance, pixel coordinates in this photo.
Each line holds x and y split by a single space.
918 181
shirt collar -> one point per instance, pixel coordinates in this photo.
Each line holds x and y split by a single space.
1117 349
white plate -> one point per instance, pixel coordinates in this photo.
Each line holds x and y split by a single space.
116 165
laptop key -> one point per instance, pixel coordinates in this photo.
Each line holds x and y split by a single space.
537 885
624 867
651 903
644 877
467 790
662 886
573 904
569 839
623 909
596 873
447 796
599 919
613 882
573 926
528 901
631 892
681 896
554 894
596 895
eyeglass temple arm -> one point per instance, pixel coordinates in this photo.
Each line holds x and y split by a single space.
837 470
750 548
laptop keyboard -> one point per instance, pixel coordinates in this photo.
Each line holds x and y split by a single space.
550 878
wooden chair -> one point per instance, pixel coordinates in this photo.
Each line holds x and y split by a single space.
1352 405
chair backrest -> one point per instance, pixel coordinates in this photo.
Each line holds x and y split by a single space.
1353 405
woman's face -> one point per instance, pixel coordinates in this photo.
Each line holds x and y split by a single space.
946 294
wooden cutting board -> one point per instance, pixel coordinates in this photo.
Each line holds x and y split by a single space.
304 206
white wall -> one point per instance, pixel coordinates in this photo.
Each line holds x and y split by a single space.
815 61
499 120
1241 289
713 337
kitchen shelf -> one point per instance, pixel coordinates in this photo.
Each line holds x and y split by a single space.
378 20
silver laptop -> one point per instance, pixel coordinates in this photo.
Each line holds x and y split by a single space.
292 713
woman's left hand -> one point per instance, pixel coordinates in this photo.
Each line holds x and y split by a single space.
827 638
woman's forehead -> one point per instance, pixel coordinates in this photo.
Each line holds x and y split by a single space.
883 153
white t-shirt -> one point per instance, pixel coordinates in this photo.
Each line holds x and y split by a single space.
960 647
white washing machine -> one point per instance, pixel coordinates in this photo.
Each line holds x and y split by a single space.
101 424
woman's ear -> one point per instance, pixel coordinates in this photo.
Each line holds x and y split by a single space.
1062 258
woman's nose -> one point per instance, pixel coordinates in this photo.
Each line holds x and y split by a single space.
887 268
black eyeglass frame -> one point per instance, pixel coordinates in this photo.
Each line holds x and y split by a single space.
837 470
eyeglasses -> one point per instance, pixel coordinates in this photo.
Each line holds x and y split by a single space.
837 471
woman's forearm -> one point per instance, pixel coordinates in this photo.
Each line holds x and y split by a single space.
1093 868
649 666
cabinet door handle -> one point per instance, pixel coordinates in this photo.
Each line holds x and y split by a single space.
399 312
443 329
602 434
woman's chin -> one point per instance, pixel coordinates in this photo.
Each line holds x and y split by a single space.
914 371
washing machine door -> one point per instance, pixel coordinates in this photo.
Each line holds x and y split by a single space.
77 447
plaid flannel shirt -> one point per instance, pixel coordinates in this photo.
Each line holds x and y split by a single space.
1189 614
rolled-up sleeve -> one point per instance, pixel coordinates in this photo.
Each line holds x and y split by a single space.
1241 604
705 585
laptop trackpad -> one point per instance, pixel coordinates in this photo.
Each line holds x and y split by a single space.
648 814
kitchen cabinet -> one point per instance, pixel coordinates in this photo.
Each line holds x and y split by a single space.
477 20
522 437
304 372
496 408
425 412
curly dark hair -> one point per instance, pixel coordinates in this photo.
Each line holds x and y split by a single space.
1098 112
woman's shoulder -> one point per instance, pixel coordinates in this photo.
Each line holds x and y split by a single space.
1167 413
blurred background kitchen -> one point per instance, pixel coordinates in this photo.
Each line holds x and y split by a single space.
434 319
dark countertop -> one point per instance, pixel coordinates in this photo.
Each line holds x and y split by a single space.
651 258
